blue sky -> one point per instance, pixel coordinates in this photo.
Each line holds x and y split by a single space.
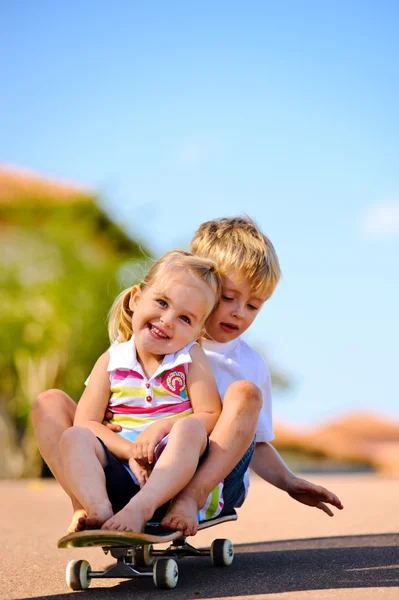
179 112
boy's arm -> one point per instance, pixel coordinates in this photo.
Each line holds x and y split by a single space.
268 464
205 401
92 406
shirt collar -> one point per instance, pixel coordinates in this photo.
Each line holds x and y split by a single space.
124 356
219 347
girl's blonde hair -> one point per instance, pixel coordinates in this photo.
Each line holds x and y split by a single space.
120 315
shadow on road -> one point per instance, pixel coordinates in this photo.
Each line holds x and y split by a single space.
276 567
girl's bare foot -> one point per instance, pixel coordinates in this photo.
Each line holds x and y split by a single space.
132 517
77 514
95 517
182 516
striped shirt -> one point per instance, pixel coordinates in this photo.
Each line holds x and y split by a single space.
137 401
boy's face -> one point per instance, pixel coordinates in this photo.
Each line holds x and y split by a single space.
237 310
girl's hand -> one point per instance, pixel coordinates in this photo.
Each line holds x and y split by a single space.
141 472
112 426
144 445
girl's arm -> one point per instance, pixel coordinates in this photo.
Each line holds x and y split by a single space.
202 389
92 406
205 400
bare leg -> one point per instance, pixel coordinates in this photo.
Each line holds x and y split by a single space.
53 412
173 470
84 460
230 439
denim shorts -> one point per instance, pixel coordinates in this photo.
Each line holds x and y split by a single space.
121 487
234 487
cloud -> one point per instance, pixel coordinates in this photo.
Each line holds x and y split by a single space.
381 220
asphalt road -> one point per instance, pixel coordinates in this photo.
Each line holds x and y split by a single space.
284 550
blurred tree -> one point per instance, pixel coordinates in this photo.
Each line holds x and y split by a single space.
63 263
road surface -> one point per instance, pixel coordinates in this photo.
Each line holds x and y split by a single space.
284 550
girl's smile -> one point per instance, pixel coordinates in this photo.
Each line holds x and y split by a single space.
156 332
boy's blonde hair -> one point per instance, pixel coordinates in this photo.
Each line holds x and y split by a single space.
120 315
236 244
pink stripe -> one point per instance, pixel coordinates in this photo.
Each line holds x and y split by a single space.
122 374
123 409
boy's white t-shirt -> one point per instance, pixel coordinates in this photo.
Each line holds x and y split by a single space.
234 361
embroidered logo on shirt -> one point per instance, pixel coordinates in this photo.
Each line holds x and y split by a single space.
175 383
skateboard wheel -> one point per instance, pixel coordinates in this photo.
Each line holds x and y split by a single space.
77 575
143 556
222 553
165 573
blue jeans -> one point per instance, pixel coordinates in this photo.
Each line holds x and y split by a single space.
234 488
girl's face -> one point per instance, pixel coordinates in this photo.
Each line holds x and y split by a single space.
166 319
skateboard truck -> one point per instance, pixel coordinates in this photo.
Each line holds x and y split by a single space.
221 552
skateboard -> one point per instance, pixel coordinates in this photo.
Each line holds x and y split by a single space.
135 553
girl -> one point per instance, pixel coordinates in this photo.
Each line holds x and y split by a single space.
149 380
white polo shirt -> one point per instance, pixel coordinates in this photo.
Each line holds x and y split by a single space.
234 361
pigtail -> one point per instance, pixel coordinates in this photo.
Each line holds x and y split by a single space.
120 318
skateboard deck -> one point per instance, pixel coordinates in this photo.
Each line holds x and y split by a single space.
154 534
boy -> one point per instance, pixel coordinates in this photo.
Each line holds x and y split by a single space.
250 272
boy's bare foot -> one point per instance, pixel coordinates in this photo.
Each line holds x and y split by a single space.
95 518
182 516
132 517
77 514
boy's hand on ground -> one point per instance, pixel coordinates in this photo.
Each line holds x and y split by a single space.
112 426
313 495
